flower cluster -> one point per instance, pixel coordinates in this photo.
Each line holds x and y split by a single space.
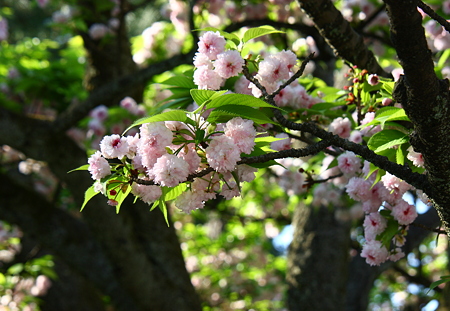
213 63
154 155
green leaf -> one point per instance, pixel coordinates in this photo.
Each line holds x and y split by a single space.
388 234
238 99
201 96
171 115
163 208
174 192
225 113
122 195
204 96
388 87
226 35
386 139
400 154
15 269
155 204
399 115
2 279
89 194
81 168
253 33
444 279
180 81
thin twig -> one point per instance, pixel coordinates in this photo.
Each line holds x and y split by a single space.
294 77
431 13
438 231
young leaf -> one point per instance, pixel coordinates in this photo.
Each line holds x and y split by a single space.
122 195
180 81
81 168
386 139
163 207
225 113
238 99
89 194
444 279
172 115
173 193
388 234
253 33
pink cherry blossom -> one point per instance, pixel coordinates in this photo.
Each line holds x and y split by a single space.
272 70
396 255
415 157
349 163
192 200
114 146
292 182
207 79
201 59
404 213
3 29
148 194
96 127
341 127
242 132
98 31
288 58
374 224
374 201
98 166
282 144
230 190
358 189
222 154
396 187
246 172
189 154
129 104
374 252
446 7
169 170
155 134
285 97
229 64
373 79
100 113
242 86
211 44
42 3
369 130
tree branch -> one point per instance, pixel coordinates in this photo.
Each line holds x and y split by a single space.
340 36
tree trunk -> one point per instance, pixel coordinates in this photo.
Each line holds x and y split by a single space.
318 260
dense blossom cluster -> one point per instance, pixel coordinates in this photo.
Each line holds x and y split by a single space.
151 155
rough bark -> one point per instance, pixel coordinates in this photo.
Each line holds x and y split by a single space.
345 42
317 260
425 99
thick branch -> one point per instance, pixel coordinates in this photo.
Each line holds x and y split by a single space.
425 98
340 36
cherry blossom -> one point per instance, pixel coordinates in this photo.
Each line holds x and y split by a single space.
222 154
98 166
374 252
114 146
242 132
211 44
